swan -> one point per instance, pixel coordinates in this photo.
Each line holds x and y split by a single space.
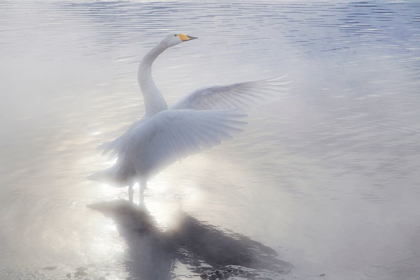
200 120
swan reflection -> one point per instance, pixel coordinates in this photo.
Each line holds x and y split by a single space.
152 253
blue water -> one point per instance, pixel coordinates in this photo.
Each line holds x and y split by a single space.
322 182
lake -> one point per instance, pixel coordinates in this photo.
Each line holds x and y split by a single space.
323 183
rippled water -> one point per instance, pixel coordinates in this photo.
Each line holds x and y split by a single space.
322 185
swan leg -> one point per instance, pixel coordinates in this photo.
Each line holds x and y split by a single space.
130 193
142 187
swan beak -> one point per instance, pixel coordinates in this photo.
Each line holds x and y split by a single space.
184 37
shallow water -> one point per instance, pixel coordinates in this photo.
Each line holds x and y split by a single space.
323 182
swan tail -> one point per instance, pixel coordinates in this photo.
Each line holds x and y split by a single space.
110 176
113 148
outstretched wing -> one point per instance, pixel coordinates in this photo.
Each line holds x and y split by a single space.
173 135
239 95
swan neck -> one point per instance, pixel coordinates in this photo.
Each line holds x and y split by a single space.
151 56
153 99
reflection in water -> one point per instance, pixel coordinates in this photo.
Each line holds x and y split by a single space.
152 253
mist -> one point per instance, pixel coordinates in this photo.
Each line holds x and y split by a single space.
322 184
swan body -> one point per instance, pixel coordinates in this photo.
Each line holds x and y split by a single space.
200 120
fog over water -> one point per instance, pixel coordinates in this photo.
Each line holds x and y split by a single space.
323 183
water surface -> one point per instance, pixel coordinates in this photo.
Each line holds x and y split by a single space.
323 182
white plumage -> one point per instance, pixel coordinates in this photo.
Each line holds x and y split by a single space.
200 120
239 95
175 134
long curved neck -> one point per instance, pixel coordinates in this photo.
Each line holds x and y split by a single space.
153 99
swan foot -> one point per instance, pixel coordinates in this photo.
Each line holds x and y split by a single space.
130 193
142 187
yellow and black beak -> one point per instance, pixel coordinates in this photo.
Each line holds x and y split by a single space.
184 37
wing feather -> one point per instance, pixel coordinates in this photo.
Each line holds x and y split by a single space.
238 95
172 135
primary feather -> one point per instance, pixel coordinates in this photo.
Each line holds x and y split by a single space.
175 134
238 95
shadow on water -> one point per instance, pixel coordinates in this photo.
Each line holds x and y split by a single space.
153 252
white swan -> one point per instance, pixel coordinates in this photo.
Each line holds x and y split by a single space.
200 120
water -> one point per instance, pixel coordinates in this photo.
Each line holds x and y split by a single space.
323 182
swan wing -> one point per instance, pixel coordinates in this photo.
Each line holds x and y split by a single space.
239 95
173 135
117 146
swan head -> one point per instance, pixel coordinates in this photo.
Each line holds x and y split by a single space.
174 39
